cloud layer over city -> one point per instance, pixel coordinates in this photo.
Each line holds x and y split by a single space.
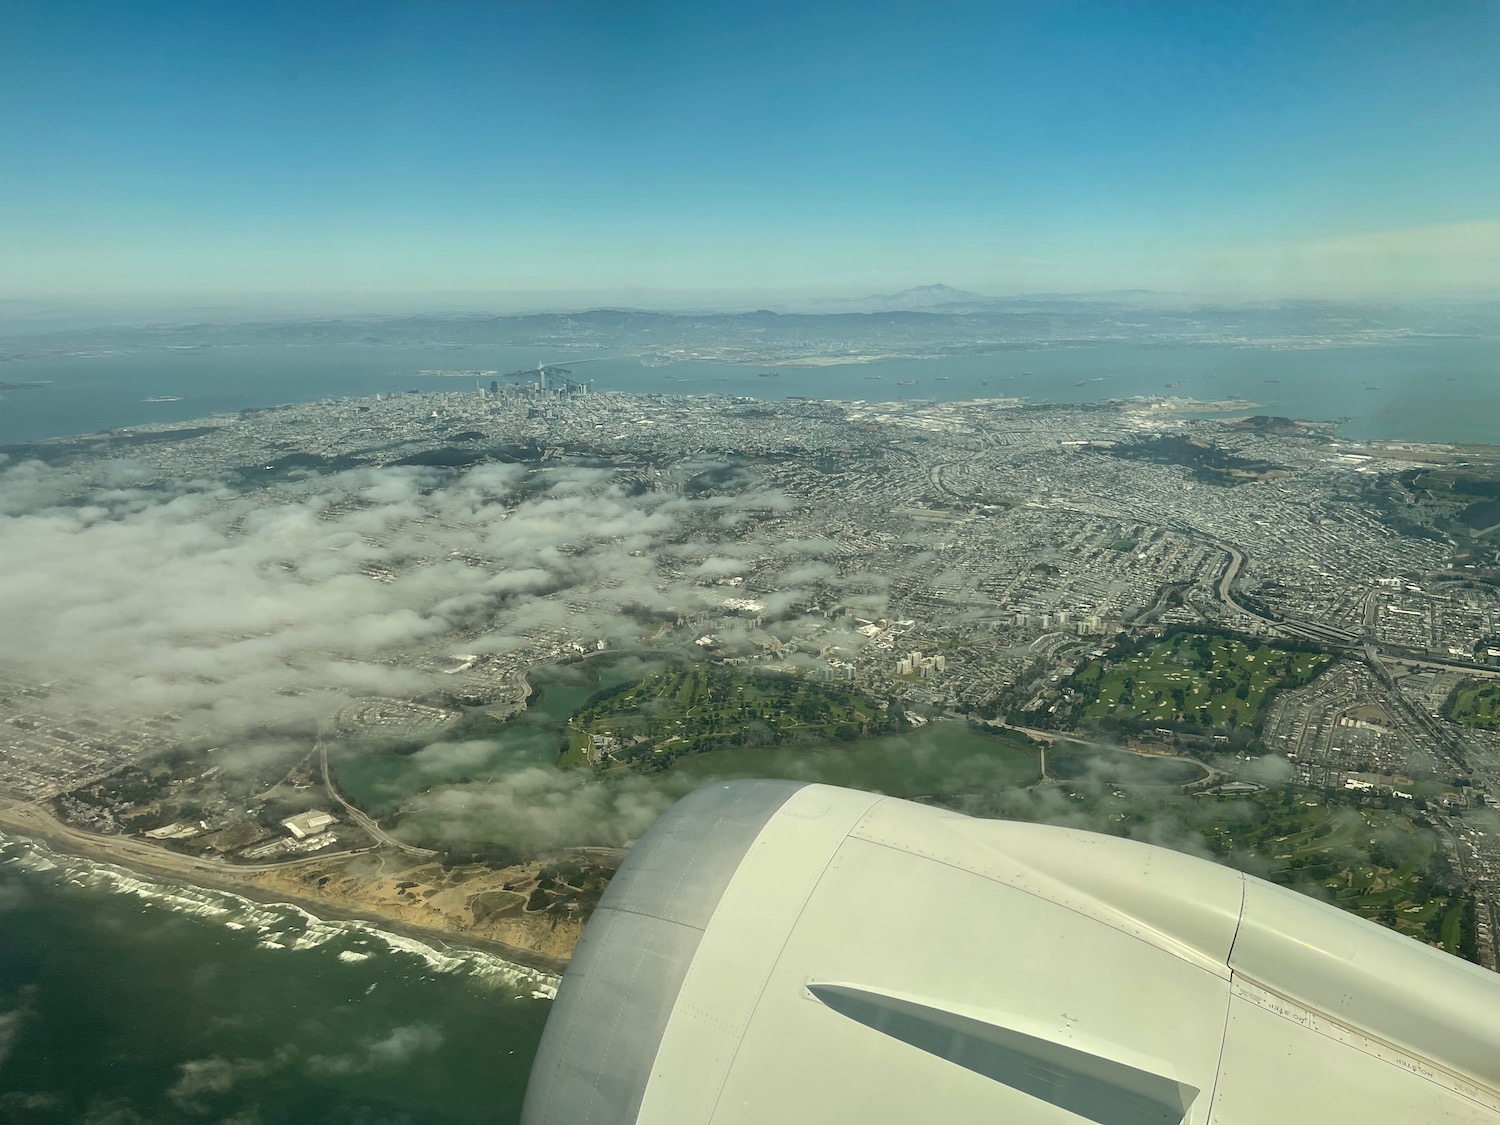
234 610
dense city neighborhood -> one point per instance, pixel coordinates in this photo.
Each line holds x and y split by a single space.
1009 564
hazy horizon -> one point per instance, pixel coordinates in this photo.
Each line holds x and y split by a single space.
343 304
579 154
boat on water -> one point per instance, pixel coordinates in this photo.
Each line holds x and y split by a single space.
770 374
907 383
1178 383
163 398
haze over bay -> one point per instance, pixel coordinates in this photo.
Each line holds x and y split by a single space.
1436 390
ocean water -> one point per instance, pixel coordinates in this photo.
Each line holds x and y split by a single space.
124 999
1433 390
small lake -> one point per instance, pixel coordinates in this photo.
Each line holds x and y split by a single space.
941 758
378 781
1122 768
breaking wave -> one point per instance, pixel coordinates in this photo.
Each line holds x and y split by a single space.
279 925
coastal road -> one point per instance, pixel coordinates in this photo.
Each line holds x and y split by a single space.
380 834
35 820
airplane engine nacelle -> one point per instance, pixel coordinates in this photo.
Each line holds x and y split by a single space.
778 952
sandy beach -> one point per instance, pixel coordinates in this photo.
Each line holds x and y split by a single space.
420 900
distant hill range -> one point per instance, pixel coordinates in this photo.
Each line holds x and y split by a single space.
930 320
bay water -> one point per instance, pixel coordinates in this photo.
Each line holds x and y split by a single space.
1431 390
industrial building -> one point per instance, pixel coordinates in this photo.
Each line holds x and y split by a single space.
308 824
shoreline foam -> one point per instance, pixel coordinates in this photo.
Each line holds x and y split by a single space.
276 922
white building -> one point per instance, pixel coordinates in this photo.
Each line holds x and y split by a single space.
307 824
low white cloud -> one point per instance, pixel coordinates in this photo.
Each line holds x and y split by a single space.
229 610
10 1032
536 809
200 1079
400 1046
404 1044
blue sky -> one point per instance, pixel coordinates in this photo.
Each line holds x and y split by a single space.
637 150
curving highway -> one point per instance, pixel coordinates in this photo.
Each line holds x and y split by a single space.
359 818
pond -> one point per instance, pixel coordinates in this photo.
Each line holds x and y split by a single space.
941 758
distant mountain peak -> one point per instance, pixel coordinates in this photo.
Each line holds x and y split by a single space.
920 298
933 296
946 292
